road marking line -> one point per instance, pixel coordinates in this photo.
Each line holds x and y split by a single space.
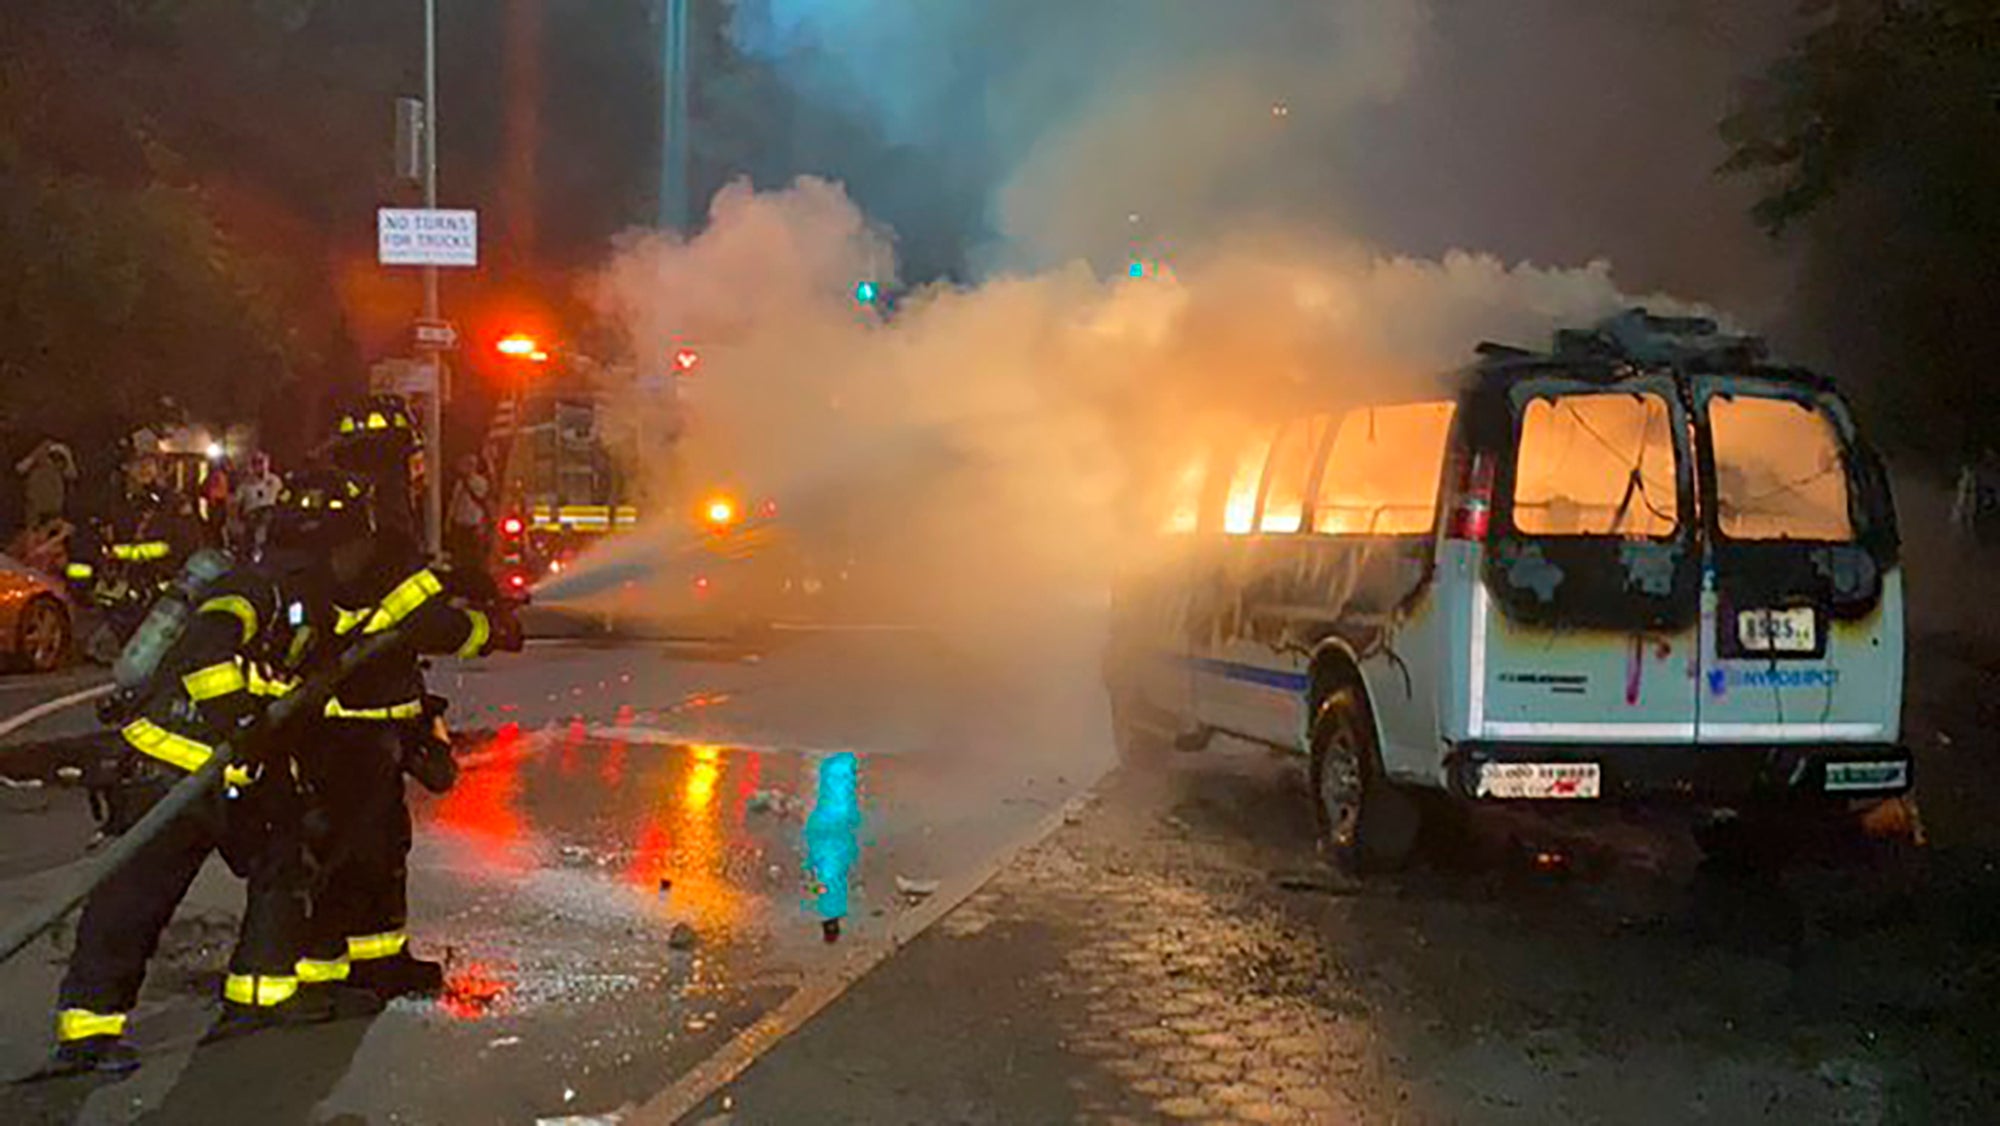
47 708
667 737
711 1075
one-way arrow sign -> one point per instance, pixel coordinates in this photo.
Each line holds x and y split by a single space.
436 336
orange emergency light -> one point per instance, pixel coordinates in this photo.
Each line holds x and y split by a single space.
720 512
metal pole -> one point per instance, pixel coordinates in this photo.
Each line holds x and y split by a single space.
674 115
434 410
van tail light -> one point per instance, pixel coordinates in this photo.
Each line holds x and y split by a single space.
1472 508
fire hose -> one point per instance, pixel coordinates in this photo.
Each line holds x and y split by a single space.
307 700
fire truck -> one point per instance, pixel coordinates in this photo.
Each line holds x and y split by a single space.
562 488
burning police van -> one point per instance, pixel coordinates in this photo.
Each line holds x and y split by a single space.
1648 565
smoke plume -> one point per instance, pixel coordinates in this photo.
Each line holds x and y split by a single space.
986 448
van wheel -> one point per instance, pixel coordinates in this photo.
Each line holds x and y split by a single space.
1366 823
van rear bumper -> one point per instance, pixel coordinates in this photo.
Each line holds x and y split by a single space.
1707 773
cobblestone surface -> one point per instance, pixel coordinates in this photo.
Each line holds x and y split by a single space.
1152 963
1200 1006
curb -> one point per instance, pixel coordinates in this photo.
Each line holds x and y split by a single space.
699 1083
48 708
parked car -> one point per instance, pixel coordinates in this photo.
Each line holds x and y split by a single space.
35 619
1647 565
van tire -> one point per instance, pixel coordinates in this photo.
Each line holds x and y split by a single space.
1366 823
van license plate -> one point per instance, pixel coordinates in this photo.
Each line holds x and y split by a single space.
1777 631
1552 780
1850 777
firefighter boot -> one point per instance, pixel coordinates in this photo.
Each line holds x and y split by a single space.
108 1055
347 1000
398 975
302 1007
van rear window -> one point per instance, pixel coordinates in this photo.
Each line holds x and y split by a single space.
1382 471
1778 471
1596 465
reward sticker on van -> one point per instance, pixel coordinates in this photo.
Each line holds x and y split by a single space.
1851 777
1547 780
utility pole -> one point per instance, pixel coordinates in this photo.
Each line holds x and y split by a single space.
674 115
673 215
434 462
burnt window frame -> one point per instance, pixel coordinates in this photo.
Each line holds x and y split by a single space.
1828 407
1441 492
1556 384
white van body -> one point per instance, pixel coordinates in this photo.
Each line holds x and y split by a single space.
1646 565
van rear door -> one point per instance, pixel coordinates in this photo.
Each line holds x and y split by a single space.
1584 626
1802 624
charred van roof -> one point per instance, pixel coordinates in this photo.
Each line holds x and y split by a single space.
1636 341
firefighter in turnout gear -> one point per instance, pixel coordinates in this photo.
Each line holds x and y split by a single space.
244 644
376 439
382 724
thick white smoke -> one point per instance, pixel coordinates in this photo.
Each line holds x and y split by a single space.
986 449
993 447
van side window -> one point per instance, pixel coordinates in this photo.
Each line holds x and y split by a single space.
1288 474
1597 465
1778 471
1382 471
1239 511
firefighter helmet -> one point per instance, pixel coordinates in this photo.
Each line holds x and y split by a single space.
319 510
378 418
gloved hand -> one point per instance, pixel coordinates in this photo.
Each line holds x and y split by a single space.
506 637
427 756
124 789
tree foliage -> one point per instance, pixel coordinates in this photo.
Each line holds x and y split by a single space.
138 264
1877 140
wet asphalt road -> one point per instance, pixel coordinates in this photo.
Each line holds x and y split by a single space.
633 868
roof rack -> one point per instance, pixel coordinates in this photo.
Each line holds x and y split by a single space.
1637 338
1696 342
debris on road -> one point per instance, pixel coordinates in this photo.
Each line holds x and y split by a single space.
775 802
683 937
916 890
1315 882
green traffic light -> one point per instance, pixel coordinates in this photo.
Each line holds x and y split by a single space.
867 292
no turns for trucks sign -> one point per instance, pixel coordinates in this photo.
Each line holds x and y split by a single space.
418 237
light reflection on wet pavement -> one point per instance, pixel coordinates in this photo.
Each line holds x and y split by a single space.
622 879
679 847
